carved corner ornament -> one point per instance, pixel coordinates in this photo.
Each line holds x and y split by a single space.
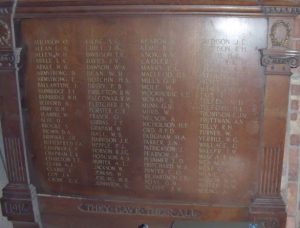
279 62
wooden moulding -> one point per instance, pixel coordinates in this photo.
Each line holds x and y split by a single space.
30 9
85 10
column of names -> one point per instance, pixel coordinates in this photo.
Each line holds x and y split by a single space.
164 162
109 102
221 112
56 91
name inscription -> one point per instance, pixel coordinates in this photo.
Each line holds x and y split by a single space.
141 113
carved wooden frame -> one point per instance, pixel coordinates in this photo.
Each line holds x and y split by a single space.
18 195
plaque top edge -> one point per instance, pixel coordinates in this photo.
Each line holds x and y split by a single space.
25 9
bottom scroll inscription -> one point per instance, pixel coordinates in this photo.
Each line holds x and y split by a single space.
103 208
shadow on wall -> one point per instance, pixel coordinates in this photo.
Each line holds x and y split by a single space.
4 223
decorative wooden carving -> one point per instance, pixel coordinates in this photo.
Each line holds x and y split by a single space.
281 10
17 202
278 61
280 34
270 178
5 34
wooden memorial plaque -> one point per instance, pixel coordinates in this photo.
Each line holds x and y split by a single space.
140 114
125 107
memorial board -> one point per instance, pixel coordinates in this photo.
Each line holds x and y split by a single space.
163 107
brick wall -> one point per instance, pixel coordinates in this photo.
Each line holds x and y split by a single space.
291 177
291 161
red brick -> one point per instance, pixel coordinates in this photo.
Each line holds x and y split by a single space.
292 199
294 140
293 164
290 222
294 116
295 89
295 105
